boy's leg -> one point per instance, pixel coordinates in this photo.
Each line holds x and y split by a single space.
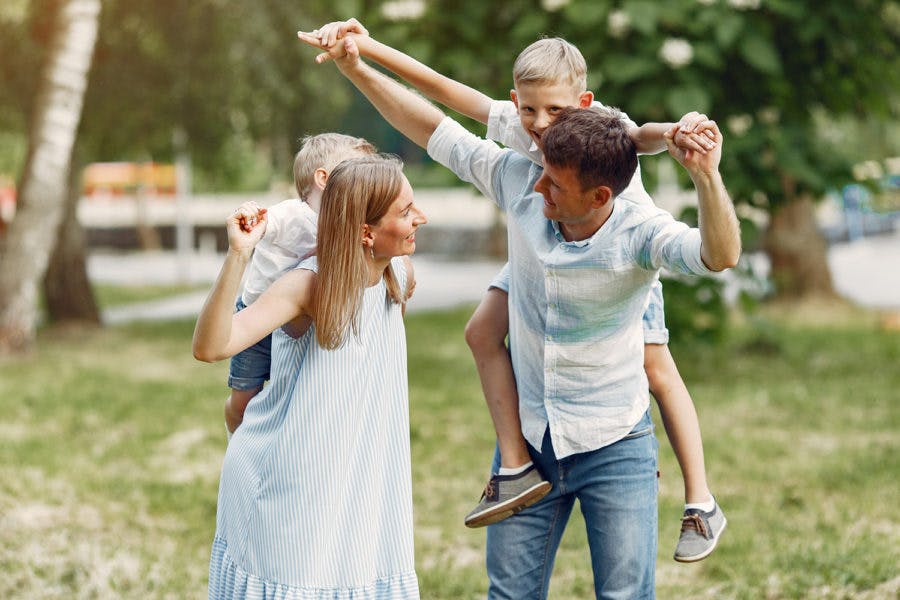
679 419
703 520
248 372
486 335
617 489
521 550
516 483
235 406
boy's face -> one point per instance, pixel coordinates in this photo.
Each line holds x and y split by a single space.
539 104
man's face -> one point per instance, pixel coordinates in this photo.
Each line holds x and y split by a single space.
564 199
540 104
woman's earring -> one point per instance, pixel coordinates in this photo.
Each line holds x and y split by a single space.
372 252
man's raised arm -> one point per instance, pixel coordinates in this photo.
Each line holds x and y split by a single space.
407 112
720 234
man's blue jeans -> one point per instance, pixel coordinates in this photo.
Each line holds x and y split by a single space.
616 487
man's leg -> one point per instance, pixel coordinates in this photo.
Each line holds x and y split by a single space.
617 488
521 550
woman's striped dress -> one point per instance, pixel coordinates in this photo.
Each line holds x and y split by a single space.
315 498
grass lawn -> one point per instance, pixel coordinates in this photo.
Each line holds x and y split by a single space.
111 443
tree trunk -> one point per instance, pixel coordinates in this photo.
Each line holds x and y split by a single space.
67 289
797 251
25 249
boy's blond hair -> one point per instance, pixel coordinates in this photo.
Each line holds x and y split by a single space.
325 151
549 61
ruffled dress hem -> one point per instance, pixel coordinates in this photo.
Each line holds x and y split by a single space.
228 581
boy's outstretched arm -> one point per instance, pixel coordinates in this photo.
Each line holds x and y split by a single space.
440 88
408 113
693 133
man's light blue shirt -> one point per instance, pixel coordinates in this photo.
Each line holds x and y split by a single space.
575 308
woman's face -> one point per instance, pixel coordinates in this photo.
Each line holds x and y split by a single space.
395 233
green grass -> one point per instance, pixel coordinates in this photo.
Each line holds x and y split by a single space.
117 295
112 442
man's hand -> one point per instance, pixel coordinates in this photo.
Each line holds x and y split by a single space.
694 133
246 226
694 161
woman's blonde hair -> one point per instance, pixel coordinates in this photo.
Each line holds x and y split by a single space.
551 61
359 191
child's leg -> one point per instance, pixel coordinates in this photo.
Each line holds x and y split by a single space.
517 483
248 373
486 336
679 419
703 521
235 406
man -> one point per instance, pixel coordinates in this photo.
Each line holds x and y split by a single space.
581 269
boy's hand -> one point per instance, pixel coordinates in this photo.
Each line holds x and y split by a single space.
329 36
694 134
246 226
697 163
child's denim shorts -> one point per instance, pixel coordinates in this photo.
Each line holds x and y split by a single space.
654 319
250 368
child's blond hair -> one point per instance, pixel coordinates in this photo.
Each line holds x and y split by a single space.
550 61
325 151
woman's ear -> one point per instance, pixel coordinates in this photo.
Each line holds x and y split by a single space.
368 238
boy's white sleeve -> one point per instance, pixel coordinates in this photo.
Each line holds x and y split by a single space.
504 127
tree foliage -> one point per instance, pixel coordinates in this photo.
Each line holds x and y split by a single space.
762 68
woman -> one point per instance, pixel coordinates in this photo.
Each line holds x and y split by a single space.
315 498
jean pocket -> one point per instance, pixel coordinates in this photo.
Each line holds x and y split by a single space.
639 433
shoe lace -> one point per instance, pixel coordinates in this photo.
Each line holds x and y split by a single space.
489 489
695 523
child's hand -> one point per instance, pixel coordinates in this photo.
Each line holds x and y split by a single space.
694 134
697 162
330 33
246 226
332 37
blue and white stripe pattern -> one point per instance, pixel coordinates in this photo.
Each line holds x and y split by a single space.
575 308
315 499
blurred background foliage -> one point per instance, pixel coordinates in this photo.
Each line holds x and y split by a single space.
786 78
803 89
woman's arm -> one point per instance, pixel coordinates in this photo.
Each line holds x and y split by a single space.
219 332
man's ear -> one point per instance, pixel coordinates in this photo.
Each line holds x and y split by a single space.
601 195
320 178
514 97
585 99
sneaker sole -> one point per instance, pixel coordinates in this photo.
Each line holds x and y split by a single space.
507 509
708 551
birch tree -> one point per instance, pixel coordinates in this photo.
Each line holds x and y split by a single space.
25 248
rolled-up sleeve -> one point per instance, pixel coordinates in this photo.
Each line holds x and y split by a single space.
670 244
473 159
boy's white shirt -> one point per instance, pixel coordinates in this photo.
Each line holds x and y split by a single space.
505 127
290 238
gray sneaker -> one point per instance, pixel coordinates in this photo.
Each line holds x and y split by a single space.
700 533
505 495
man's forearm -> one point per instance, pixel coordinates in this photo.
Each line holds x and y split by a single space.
408 113
720 232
